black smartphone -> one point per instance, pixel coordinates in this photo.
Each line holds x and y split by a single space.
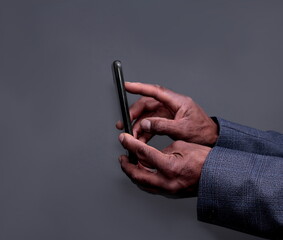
119 80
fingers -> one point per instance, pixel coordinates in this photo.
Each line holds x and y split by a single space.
145 137
146 154
166 96
161 126
120 125
139 134
142 105
161 113
137 131
141 176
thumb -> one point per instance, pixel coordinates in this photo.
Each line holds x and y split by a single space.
158 125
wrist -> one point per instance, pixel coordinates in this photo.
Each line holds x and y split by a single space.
213 131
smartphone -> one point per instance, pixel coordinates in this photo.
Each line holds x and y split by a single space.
119 80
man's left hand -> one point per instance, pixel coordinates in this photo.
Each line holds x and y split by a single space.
174 171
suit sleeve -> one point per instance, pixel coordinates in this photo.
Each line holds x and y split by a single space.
246 139
242 191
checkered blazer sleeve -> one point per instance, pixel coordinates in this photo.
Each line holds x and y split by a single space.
241 185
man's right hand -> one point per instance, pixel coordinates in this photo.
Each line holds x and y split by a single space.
163 112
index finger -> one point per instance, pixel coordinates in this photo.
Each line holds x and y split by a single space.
147 155
150 181
164 95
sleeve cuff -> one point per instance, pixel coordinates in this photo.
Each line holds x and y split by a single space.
247 139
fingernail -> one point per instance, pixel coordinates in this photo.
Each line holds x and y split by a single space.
121 137
145 124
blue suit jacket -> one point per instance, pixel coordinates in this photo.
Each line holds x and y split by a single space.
241 185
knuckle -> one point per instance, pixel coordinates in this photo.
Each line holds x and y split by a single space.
149 103
143 100
188 101
171 167
175 167
175 170
159 89
158 125
138 103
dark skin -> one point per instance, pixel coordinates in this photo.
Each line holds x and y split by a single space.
169 113
177 168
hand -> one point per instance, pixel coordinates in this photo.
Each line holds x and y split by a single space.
164 112
177 167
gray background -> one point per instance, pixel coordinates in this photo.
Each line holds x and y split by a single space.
59 173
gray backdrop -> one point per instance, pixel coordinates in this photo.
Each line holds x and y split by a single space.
59 173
